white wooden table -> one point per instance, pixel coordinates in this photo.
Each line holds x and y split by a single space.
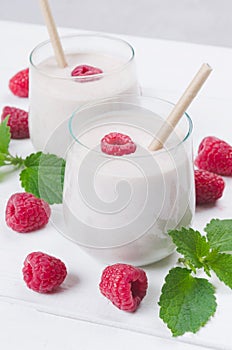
29 320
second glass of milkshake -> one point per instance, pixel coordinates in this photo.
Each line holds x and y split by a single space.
55 92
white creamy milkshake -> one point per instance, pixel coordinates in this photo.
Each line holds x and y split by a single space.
55 93
119 208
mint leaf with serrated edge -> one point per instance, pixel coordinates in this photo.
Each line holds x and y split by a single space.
221 264
186 302
192 245
219 234
44 176
4 136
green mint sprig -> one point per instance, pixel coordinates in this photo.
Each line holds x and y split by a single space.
187 302
42 174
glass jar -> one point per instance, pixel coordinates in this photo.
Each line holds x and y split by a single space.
120 208
54 93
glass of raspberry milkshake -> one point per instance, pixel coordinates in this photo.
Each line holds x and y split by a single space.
98 67
120 199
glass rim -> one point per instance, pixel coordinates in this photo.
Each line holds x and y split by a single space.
104 101
85 77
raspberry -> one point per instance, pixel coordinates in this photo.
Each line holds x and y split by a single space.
18 122
124 285
26 213
43 273
85 70
117 144
209 187
19 83
215 155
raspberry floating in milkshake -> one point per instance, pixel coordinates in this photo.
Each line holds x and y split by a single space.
84 70
117 144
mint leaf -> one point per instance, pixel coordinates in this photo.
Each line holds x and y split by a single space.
33 160
219 234
44 176
4 136
221 264
191 244
186 302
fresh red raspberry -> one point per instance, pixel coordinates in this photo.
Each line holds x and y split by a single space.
18 122
209 187
26 213
43 273
215 155
124 285
85 70
19 83
117 144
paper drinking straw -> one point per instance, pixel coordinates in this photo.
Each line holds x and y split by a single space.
179 109
52 31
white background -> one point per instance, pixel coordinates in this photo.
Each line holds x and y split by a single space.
197 21
29 320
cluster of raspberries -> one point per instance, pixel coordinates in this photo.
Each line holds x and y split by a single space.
123 284
214 160
18 118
